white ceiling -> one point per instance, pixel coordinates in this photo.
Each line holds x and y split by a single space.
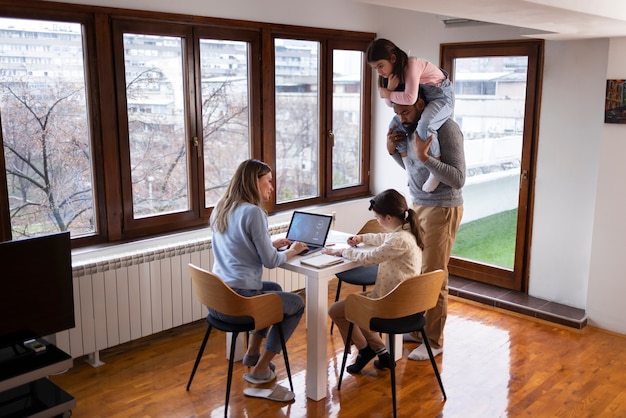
547 19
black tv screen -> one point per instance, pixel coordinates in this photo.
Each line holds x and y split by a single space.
37 297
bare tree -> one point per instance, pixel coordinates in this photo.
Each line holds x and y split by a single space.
47 157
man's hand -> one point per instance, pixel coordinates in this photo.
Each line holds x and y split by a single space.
393 138
421 147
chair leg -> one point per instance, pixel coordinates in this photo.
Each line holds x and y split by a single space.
392 368
284 347
199 356
433 362
345 354
332 324
233 344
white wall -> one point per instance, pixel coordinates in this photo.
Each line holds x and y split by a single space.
579 157
607 287
572 116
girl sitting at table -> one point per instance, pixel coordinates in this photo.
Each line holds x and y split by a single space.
398 254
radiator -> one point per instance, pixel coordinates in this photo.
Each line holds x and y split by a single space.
124 296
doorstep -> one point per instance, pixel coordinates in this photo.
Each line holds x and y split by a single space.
517 302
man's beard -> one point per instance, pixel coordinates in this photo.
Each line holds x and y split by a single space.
410 127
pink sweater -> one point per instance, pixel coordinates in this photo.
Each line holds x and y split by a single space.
418 71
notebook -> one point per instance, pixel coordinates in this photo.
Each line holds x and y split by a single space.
309 228
322 260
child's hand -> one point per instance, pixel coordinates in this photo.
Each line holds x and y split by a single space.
384 93
336 252
392 82
355 240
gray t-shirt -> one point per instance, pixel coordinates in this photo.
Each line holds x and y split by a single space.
450 170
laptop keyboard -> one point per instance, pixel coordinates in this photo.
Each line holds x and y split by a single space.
310 250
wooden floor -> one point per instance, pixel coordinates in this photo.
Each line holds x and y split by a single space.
494 364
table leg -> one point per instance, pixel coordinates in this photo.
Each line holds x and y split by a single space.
317 338
240 348
398 341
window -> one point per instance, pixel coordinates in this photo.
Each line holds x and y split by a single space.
116 127
297 79
321 145
157 132
45 131
225 75
347 117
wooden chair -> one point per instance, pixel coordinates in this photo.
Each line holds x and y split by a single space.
261 312
363 275
399 312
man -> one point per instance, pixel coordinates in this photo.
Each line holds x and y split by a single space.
440 211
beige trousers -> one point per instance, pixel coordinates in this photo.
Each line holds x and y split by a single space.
438 228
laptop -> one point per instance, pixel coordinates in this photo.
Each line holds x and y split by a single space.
309 228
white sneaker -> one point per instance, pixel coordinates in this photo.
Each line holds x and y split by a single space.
409 338
420 353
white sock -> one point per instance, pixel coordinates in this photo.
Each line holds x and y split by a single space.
420 353
431 183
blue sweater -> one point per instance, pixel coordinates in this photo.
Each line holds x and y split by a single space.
241 252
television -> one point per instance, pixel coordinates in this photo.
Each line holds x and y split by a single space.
37 295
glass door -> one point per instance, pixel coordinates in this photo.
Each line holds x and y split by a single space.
497 107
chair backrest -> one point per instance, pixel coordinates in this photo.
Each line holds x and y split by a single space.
214 293
411 296
371 227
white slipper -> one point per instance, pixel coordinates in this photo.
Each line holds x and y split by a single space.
421 354
256 380
277 393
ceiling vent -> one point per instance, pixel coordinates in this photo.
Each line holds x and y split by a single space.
459 21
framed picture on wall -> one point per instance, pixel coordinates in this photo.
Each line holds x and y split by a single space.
615 102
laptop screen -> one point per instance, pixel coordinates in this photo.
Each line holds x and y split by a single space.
309 228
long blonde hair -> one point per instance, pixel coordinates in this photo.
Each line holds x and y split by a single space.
243 187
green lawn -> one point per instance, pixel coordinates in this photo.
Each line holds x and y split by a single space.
490 240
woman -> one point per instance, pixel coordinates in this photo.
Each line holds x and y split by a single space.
242 246
398 254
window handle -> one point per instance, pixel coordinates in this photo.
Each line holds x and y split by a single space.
196 144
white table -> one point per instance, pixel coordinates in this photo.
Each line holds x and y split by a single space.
317 316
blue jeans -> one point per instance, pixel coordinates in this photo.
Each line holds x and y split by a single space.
439 107
293 309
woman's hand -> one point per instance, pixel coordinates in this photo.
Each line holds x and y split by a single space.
281 242
296 248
